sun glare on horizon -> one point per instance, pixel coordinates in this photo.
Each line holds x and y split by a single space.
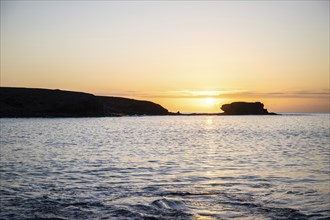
210 101
192 61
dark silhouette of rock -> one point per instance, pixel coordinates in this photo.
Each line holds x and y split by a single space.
27 102
245 108
125 106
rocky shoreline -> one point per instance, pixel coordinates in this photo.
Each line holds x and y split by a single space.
32 102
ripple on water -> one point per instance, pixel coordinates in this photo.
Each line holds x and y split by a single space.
165 168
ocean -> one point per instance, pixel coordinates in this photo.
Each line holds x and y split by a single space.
166 167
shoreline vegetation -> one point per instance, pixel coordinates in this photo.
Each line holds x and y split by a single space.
34 102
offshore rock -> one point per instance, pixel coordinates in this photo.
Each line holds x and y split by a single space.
245 108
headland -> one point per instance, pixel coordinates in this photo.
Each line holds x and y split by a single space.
35 102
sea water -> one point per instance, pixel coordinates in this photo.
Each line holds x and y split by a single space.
166 167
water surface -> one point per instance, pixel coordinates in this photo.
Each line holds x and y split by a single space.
168 167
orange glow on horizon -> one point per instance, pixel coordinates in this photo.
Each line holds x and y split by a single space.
192 61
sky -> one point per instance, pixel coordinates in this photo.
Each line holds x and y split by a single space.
188 56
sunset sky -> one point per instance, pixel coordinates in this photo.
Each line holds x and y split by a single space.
187 56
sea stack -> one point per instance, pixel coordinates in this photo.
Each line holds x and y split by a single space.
245 108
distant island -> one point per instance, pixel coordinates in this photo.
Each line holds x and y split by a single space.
245 108
33 102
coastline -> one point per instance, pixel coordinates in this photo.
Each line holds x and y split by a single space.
55 103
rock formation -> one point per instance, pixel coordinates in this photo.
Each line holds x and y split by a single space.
245 108
125 106
27 102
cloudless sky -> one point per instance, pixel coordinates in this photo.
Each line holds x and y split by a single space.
189 56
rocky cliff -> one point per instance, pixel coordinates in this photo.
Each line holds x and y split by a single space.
28 102
125 106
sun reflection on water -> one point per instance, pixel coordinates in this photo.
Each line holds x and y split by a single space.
209 120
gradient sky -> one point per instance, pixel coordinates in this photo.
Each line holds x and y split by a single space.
187 56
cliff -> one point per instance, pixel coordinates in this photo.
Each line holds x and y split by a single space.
28 102
125 106
245 108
